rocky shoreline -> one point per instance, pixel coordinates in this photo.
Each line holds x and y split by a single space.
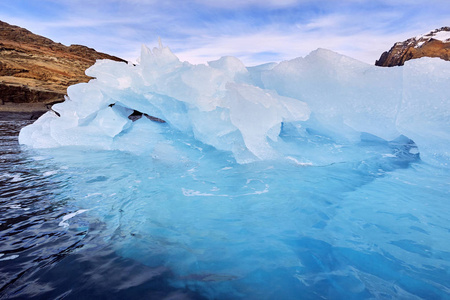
22 111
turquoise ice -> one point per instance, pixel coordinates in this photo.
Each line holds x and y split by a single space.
316 177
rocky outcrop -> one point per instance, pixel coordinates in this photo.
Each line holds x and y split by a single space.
34 69
433 44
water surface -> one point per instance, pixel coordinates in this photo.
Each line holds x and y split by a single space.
77 223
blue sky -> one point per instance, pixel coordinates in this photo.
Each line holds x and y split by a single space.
256 31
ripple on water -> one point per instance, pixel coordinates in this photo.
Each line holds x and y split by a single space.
99 224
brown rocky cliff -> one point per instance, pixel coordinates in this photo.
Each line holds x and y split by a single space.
34 69
434 44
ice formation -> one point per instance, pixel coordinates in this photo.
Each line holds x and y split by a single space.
187 202
248 111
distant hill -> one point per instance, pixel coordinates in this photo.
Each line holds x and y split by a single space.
34 69
433 44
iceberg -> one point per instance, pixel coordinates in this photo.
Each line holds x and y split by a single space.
244 110
318 177
348 97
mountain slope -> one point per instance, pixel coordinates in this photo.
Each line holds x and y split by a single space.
433 44
34 69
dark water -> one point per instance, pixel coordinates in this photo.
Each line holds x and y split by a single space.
40 259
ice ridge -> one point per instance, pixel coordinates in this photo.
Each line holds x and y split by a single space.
247 111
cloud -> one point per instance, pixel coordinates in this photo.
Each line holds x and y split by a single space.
238 4
255 31
282 45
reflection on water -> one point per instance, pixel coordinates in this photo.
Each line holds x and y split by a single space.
107 224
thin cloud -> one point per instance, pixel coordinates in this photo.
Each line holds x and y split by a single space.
254 31
239 4
283 46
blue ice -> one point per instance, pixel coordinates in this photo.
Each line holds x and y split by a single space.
319 177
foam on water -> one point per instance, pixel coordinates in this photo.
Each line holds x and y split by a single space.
67 217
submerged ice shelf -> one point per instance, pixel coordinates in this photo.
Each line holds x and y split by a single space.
372 228
247 111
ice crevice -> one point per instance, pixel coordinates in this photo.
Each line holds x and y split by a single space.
291 110
136 115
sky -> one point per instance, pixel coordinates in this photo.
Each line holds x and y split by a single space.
255 31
